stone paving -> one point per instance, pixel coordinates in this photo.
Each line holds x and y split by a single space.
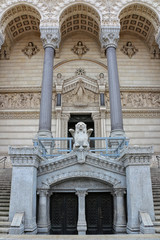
76 237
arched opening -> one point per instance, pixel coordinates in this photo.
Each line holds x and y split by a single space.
80 17
140 20
71 198
17 22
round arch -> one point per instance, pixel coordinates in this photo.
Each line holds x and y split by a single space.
51 180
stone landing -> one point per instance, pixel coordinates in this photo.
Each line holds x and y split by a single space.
76 237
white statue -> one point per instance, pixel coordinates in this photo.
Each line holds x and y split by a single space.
81 136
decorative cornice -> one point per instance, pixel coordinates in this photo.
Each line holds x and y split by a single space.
50 37
109 37
137 156
26 156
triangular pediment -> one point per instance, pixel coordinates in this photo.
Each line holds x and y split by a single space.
83 81
81 158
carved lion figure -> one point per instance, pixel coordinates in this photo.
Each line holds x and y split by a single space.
81 135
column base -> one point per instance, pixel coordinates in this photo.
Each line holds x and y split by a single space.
44 134
134 230
43 229
119 228
117 133
82 228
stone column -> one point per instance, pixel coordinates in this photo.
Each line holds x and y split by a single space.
2 38
81 225
157 38
109 40
50 38
43 225
119 224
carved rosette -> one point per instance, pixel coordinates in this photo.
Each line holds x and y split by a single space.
109 36
2 38
50 37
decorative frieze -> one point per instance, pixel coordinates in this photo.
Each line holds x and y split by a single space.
21 100
138 100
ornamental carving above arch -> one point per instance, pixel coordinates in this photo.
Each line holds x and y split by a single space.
50 180
50 10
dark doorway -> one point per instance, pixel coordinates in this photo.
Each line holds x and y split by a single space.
64 213
87 119
99 213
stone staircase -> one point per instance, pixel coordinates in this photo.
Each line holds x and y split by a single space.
155 175
5 188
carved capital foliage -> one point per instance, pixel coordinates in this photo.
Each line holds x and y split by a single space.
50 37
109 36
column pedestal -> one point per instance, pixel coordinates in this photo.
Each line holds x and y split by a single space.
81 224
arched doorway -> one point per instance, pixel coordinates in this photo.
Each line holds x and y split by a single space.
81 202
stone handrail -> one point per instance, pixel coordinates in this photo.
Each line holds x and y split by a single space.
3 160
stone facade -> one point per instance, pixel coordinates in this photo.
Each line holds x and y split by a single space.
63 59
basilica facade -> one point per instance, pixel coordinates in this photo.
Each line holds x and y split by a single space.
97 63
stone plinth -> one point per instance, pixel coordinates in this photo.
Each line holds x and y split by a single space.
24 184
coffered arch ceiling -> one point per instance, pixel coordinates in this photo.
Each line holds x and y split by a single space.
19 20
141 20
80 17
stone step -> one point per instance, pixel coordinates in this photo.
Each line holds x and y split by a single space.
156 208
5 197
6 204
157 229
4 230
4 218
4 200
157 200
4 213
157 223
5 224
157 218
157 212
4 193
2 208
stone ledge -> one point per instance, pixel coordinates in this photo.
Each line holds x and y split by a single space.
76 237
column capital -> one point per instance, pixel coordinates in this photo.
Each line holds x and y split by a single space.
81 192
157 38
50 37
2 38
43 193
119 192
109 36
